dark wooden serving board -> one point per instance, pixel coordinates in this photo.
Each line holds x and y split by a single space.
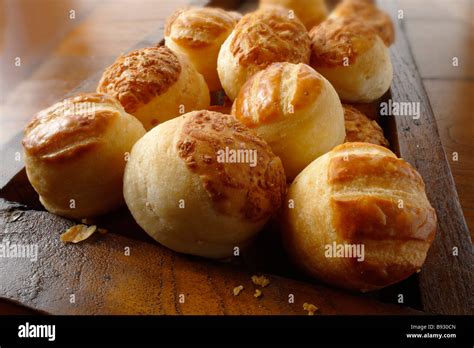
155 280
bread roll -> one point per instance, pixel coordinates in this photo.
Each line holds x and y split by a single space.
258 40
359 128
310 12
199 33
356 196
295 109
155 84
75 154
353 58
185 189
370 14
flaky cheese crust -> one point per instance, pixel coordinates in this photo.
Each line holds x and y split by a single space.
359 194
359 128
71 127
370 14
141 75
185 195
269 94
267 36
337 39
199 27
254 193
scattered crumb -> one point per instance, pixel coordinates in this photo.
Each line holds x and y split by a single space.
310 308
260 280
78 233
87 221
418 270
238 289
258 293
102 230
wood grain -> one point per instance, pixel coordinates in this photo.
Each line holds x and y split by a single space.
150 280
446 282
179 274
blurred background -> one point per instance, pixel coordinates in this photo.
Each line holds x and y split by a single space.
48 47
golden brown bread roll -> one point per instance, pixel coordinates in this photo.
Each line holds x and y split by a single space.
75 153
199 33
360 128
310 12
370 14
353 58
155 84
295 109
359 218
258 40
185 189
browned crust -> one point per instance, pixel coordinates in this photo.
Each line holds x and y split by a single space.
139 76
337 39
370 14
268 36
234 188
199 27
259 100
377 220
345 169
69 128
359 128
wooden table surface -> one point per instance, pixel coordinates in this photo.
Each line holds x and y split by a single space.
62 42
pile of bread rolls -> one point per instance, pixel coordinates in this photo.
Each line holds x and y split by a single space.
204 179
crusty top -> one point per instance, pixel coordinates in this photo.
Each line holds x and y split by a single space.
277 92
379 198
359 128
252 192
71 127
139 76
367 182
267 36
199 27
370 14
338 39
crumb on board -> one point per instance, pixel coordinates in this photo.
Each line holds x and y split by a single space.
238 289
102 230
78 233
310 308
260 280
418 270
258 293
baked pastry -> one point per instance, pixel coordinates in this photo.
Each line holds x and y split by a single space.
75 154
296 111
310 12
155 84
353 58
360 128
359 218
199 33
260 38
370 14
203 184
